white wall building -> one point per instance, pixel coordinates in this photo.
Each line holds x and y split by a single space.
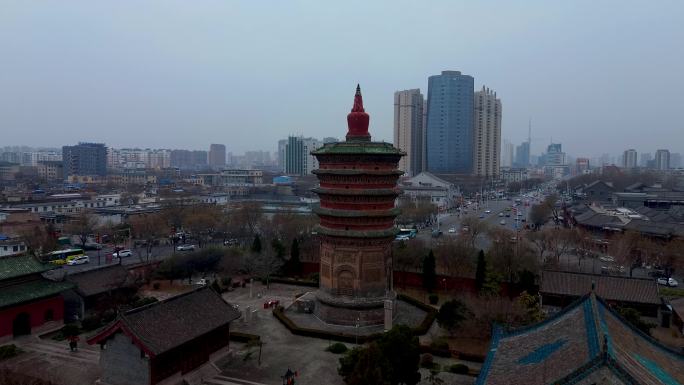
443 194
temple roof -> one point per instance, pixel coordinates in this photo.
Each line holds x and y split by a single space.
586 342
611 288
97 281
31 291
358 148
20 265
165 325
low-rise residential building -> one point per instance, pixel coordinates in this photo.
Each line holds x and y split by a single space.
232 178
509 175
51 170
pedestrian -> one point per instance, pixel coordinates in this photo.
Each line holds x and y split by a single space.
73 343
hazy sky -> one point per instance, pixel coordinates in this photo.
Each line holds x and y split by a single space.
597 76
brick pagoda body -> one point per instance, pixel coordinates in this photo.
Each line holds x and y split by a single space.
357 190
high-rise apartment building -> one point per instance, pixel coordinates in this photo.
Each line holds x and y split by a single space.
675 160
507 154
409 131
486 133
85 159
282 145
298 158
450 123
629 158
188 160
217 155
662 160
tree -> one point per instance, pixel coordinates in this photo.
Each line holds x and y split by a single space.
262 265
429 272
539 214
530 303
147 227
455 256
475 228
202 221
561 241
451 314
480 271
370 367
38 240
400 348
278 248
82 225
540 240
625 247
256 244
633 317
294 265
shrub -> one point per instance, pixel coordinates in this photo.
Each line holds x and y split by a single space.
91 323
427 361
337 348
155 286
459 369
9 351
433 298
216 287
439 344
226 281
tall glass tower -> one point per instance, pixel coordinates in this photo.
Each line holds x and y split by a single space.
450 123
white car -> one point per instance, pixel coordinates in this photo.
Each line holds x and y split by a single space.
452 230
607 258
79 260
123 254
503 222
488 211
402 238
667 282
185 248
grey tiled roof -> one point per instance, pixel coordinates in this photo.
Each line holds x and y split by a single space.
97 281
622 289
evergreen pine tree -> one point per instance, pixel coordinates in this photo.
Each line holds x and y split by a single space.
429 272
256 245
480 271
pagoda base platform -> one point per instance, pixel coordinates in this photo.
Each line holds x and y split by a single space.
350 311
302 315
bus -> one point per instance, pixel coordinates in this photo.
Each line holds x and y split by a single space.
60 257
411 233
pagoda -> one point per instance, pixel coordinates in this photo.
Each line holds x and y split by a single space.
357 191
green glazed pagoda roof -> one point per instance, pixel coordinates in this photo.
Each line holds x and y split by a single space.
31 291
358 148
17 266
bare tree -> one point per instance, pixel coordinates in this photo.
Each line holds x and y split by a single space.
624 247
148 227
263 265
203 221
38 240
540 240
475 228
455 256
83 225
561 242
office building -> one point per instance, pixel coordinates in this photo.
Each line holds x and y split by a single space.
85 159
409 132
217 155
450 123
662 160
522 155
486 133
675 160
629 158
298 158
188 160
555 165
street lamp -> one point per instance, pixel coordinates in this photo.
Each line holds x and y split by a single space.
358 321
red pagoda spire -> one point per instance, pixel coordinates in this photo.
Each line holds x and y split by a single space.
357 120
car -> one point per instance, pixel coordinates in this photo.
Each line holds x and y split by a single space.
202 281
452 230
607 258
657 274
488 211
667 281
185 248
78 260
436 233
501 215
402 238
503 222
230 242
508 215
482 216
123 254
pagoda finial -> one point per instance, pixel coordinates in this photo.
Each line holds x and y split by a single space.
358 119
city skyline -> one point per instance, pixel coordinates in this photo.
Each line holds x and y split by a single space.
131 83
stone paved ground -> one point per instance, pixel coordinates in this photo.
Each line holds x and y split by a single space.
53 361
283 350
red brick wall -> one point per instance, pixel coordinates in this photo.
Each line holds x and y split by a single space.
35 309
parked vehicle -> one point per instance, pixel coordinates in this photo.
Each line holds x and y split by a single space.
667 281
185 248
503 222
452 230
436 233
78 260
61 257
607 258
230 242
